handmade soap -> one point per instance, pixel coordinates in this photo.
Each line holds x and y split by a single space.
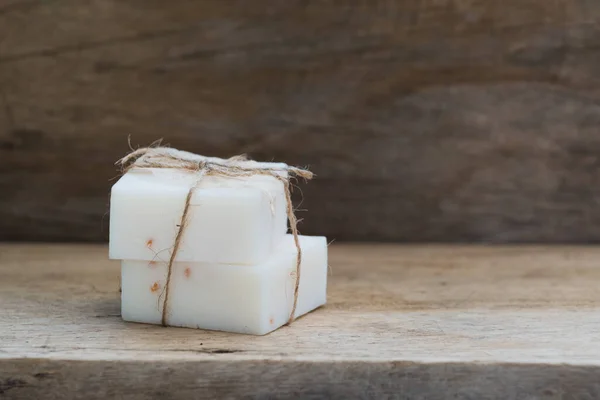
230 220
254 299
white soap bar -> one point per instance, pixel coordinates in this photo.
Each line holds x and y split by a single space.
253 299
230 220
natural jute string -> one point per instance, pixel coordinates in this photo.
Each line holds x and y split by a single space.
235 167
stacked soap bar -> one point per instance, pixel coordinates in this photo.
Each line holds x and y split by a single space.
233 220
235 269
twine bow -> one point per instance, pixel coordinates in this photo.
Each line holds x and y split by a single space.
234 167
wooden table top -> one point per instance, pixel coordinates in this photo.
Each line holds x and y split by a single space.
406 321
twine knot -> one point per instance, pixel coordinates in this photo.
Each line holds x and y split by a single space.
237 166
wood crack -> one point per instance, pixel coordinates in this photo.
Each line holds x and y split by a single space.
11 383
53 349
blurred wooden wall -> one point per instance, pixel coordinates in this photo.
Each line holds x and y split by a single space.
425 120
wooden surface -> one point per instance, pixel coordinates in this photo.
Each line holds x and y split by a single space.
426 322
447 120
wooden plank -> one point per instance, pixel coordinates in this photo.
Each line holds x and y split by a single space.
455 120
405 321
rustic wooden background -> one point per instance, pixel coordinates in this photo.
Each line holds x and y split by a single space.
425 120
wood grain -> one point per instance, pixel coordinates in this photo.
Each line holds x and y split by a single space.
453 120
431 322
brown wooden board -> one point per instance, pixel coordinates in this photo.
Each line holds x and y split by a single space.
453 120
429 322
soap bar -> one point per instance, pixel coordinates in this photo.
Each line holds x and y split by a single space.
230 220
253 299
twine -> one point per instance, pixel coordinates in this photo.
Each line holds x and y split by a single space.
234 167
